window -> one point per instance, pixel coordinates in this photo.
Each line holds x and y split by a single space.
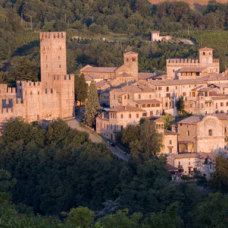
139 96
170 150
121 116
221 104
144 114
170 142
129 115
137 115
167 89
210 132
133 59
188 133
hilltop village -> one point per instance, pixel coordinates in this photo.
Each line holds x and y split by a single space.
128 95
190 143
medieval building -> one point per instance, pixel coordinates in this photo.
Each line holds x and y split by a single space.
50 98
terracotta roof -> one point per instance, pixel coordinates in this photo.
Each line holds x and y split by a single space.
130 53
99 69
199 155
191 120
171 168
159 120
222 85
102 83
168 132
124 109
137 87
192 69
124 74
155 31
90 77
145 75
220 98
221 116
206 49
147 101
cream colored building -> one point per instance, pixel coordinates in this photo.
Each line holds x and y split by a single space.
50 98
189 163
202 134
193 68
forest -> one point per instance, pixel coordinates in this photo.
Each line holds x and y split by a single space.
126 25
54 176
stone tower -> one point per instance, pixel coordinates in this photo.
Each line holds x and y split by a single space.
131 64
206 56
52 56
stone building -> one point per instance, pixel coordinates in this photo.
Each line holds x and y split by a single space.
189 163
192 68
155 36
202 133
50 98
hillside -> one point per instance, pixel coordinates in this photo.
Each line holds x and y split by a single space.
191 2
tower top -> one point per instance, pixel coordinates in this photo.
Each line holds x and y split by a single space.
52 35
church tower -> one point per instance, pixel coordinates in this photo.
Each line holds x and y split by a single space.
206 56
52 56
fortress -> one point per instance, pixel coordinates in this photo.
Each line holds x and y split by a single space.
53 96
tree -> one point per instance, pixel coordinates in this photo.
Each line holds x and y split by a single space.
92 106
220 176
180 105
168 120
148 143
81 88
80 217
130 134
212 212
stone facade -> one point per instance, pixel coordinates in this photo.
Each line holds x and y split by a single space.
53 96
185 68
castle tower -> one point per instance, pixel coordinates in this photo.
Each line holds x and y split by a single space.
131 63
52 56
206 56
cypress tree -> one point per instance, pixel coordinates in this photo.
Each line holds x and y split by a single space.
92 106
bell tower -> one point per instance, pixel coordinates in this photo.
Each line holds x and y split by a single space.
52 56
206 55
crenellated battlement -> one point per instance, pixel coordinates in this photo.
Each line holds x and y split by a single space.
64 77
29 84
182 61
52 35
4 89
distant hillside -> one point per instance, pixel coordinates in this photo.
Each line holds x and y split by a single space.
191 2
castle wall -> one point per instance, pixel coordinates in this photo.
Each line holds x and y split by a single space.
52 97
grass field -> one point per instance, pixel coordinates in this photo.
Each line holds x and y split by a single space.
213 39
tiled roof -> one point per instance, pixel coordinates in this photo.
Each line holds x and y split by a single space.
220 98
191 120
206 49
192 69
130 53
145 75
159 120
168 132
125 109
137 87
221 116
199 155
149 101
99 69
90 77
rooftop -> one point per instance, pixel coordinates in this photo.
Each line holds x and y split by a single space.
192 119
149 101
124 109
192 69
89 68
